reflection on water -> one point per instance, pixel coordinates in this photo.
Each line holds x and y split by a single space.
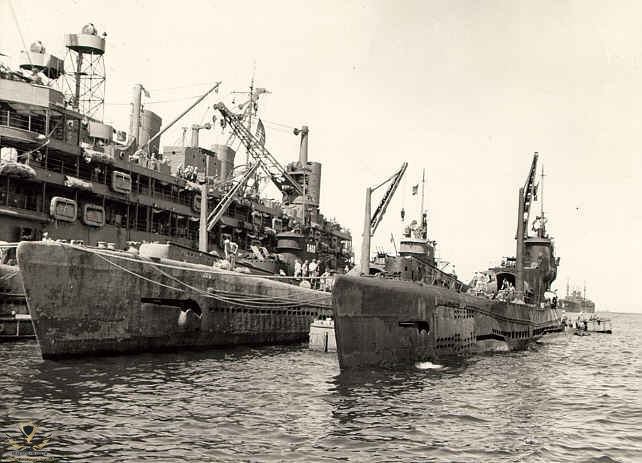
567 399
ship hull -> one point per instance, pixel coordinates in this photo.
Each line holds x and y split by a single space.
86 302
387 323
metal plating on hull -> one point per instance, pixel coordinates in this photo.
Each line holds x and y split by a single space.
387 322
87 301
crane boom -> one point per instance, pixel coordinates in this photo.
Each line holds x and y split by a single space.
529 194
371 222
225 202
383 205
283 181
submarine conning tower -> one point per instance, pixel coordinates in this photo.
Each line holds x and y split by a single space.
536 263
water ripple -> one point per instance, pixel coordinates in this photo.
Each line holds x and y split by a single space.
567 399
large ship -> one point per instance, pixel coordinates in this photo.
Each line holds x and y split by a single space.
408 310
65 175
576 301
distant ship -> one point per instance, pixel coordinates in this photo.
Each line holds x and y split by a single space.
66 175
576 301
409 310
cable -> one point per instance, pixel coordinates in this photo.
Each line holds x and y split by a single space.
258 300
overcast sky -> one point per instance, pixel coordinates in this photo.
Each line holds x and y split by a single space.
467 90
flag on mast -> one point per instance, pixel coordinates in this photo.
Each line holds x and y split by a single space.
415 189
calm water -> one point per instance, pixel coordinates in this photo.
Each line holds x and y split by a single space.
568 399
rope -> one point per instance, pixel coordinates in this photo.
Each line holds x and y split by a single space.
191 269
520 321
136 274
256 301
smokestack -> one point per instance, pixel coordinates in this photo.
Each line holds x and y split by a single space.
134 121
194 142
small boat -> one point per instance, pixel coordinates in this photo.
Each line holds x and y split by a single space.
322 336
594 324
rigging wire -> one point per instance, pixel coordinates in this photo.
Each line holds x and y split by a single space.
180 87
15 18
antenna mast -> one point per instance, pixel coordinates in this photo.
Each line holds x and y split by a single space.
249 116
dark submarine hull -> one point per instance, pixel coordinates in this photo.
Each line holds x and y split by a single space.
383 323
85 302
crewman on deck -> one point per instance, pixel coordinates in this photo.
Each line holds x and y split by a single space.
230 248
305 268
312 269
297 269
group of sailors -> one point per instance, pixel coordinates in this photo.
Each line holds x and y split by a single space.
507 292
483 284
189 173
581 322
310 275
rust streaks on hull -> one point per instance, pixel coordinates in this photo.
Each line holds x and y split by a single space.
86 303
383 322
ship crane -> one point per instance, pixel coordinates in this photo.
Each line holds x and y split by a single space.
224 203
283 181
372 222
528 196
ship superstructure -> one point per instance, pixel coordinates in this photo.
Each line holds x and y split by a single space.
67 175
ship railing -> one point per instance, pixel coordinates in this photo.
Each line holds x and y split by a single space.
58 165
29 122
29 201
88 172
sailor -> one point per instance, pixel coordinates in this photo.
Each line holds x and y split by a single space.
323 283
234 249
230 249
312 268
297 269
305 269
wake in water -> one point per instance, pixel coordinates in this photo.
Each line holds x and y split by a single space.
428 366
